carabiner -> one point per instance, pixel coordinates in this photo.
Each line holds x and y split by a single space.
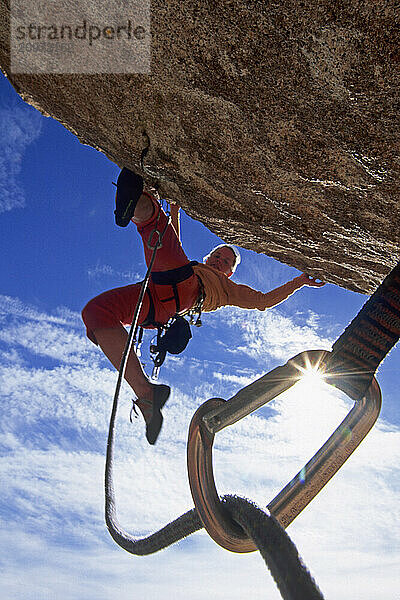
158 243
216 413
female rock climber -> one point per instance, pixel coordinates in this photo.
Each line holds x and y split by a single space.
175 287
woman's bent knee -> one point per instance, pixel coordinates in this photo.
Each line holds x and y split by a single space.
113 308
95 316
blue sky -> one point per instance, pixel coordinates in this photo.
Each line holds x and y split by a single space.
60 247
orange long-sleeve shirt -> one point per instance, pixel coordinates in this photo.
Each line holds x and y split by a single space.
221 291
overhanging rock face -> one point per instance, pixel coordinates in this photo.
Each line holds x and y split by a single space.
275 124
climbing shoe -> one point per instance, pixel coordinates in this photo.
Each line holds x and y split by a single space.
129 190
153 427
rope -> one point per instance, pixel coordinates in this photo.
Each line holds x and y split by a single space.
177 530
110 507
277 549
280 554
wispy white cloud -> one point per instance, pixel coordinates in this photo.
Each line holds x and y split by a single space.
47 340
53 437
104 271
58 336
19 127
13 307
241 380
271 334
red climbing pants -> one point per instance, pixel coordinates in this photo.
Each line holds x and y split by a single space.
163 299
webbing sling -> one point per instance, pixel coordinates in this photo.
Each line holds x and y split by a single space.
367 339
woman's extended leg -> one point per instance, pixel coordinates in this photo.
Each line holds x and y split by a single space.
103 317
112 341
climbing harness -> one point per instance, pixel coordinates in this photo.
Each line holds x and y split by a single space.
175 335
233 522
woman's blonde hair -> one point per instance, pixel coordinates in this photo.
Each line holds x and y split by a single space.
234 250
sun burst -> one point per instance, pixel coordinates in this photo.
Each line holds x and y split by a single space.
311 372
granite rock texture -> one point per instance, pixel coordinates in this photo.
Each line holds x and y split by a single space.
276 124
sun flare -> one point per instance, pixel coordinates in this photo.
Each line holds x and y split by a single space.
312 375
311 372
